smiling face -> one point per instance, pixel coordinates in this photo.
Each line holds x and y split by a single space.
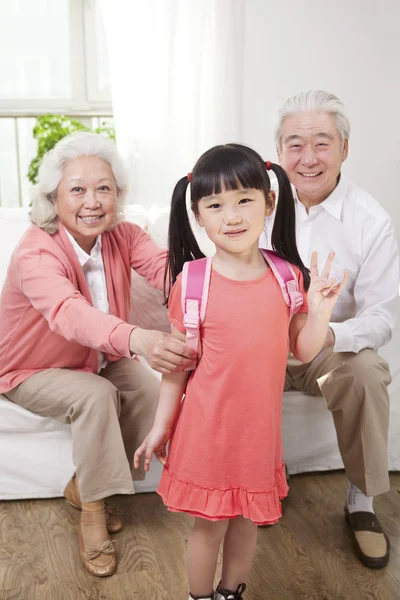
234 219
312 153
86 199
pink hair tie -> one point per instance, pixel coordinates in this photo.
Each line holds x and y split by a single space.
189 176
268 165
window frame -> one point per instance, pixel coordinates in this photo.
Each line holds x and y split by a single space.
83 73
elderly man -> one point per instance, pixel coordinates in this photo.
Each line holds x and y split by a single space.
333 214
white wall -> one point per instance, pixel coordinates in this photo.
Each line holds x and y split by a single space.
348 47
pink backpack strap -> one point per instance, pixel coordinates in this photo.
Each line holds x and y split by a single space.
287 279
195 286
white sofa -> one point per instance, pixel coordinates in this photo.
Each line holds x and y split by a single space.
35 452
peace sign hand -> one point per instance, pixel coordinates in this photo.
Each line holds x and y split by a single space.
323 292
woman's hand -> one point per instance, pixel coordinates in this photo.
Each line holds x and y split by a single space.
154 443
323 292
162 351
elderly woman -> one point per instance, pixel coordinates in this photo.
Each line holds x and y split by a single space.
66 348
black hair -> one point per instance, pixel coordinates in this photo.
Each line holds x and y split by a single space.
229 167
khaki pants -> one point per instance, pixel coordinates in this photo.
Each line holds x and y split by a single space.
110 414
354 387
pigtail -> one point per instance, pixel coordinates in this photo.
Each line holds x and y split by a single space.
182 244
283 239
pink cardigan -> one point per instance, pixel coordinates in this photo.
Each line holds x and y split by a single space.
47 319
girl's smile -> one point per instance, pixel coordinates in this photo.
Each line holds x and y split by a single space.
235 233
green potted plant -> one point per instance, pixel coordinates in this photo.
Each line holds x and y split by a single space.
49 129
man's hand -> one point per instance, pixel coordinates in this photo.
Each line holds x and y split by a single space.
162 351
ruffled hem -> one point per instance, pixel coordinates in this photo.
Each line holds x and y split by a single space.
263 508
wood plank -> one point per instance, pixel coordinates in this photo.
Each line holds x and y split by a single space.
307 556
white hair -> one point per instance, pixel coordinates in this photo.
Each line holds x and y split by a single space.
314 101
81 143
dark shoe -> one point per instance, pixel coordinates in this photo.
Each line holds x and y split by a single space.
221 594
115 522
371 542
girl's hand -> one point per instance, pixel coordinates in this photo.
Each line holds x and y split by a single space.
323 292
154 443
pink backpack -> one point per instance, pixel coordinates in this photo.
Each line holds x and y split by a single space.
196 281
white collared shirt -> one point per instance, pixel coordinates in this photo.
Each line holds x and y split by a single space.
361 233
93 269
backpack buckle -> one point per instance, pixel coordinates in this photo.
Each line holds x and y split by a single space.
191 321
191 318
296 297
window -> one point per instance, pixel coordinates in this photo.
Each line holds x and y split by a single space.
53 59
53 55
35 50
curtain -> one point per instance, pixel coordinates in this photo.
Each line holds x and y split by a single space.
176 75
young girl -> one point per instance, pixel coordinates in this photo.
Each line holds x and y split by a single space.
224 463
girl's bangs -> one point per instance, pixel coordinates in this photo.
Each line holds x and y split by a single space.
226 173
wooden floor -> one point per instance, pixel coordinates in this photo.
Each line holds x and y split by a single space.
307 556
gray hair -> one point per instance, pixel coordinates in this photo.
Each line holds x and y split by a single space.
81 143
314 101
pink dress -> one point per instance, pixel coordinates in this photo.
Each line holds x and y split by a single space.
225 455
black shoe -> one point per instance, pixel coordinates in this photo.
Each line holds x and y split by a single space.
230 594
372 545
